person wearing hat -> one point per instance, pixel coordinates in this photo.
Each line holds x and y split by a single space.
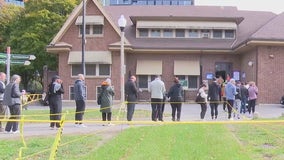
106 95
55 101
175 95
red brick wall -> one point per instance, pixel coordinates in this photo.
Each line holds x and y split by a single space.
270 74
72 37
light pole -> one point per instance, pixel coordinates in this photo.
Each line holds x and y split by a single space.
122 24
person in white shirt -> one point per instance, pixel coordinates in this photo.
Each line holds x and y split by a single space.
157 89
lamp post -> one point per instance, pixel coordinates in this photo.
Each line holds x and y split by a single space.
122 24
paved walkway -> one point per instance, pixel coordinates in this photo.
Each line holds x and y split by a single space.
190 112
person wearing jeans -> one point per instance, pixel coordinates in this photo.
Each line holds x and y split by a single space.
231 91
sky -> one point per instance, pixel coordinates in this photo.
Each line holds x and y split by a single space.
275 6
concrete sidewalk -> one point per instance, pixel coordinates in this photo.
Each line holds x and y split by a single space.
190 112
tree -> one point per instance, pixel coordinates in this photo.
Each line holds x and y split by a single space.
33 29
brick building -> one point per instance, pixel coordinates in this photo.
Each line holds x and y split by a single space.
194 43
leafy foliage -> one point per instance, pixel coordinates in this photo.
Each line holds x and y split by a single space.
28 30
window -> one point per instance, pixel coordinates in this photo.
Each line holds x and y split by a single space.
144 80
104 69
192 81
155 33
193 33
168 33
229 34
98 29
92 29
205 33
180 33
143 32
92 69
217 33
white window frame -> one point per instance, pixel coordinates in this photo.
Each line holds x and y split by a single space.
91 34
97 71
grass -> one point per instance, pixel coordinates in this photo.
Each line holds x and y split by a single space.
168 142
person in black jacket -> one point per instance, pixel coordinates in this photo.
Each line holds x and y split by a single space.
55 101
214 93
175 95
131 93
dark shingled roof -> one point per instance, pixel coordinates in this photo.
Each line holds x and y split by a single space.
254 25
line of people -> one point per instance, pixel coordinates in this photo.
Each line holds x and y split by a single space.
237 98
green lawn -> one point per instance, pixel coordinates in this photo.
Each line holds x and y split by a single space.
167 142
198 141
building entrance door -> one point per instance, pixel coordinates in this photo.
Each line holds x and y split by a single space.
222 69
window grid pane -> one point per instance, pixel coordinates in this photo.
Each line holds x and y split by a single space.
217 33
76 69
168 33
91 69
192 82
97 29
155 33
180 33
143 32
104 69
143 81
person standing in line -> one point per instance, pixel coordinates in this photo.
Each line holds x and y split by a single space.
214 93
157 90
3 108
131 93
203 102
252 92
175 95
230 96
106 97
12 98
80 97
55 101
237 103
244 98
223 95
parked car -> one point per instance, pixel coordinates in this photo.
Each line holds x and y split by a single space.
282 100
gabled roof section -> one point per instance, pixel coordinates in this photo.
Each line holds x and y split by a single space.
76 12
272 30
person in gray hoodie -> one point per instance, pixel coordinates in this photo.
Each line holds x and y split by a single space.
80 97
12 98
